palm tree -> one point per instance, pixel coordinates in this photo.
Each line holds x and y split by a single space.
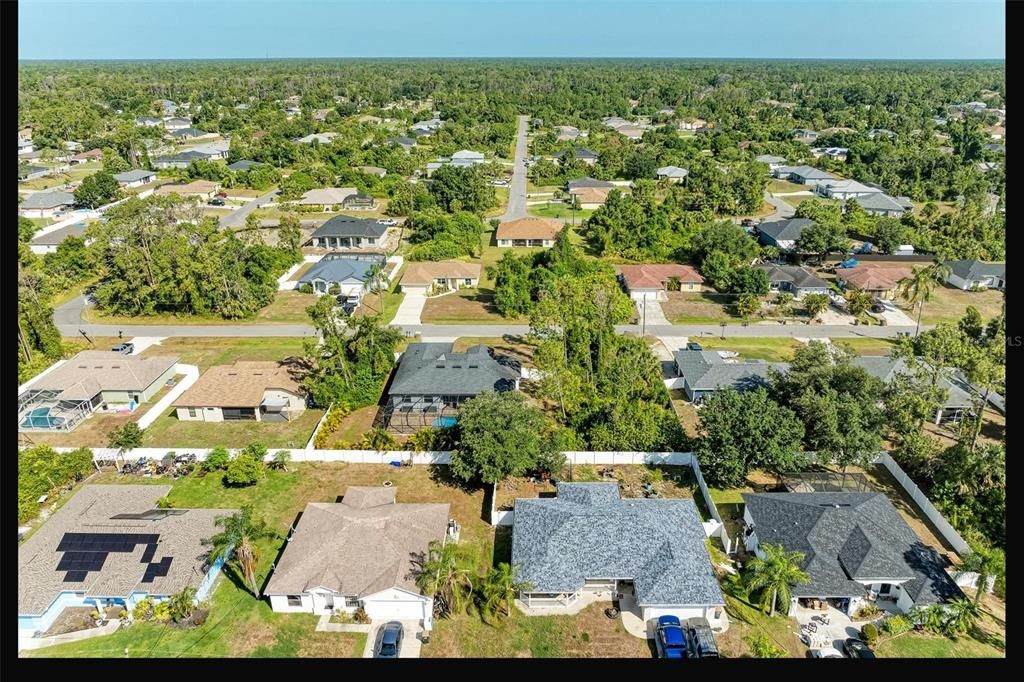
986 562
917 289
499 588
774 574
859 301
237 543
961 616
447 574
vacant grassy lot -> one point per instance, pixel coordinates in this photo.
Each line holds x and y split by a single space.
698 308
167 431
385 303
948 304
771 348
352 428
986 640
560 211
776 186
467 306
866 346
501 193
206 351
288 307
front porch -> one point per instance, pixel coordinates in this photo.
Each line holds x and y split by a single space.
832 626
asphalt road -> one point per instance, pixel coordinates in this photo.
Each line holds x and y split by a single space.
517 188
237 218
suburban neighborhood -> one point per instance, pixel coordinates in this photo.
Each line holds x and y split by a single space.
511 359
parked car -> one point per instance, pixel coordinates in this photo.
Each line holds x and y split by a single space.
126 348
387 221
701 639
216 201
670 638
390 640
855 648
877 307
824 653
693 345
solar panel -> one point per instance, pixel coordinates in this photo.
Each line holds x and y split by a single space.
75 576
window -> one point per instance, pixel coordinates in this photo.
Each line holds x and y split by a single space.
294 600
691 286
239 413
192 412
352 602
886 588
468 282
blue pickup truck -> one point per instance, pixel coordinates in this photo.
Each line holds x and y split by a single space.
670 638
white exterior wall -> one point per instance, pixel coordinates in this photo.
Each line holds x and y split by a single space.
42 212
203 414
416 288
651 294
279 604
294 402
685 612
396 604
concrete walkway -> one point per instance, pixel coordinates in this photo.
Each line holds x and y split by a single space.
410 309
143 342
654 317
27 643
191 373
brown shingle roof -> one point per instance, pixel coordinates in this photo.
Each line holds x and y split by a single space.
651 276
529 228
91 154
182 537
363 545
92 371
426 272
239 385
591 195
873 277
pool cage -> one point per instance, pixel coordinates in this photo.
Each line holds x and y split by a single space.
825 482
408 414
41 410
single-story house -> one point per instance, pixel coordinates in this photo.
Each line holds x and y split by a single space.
243 165
633 132
93 379
363 552
446 275
30 172
466 156
997 148
875 132
35 155
256 391
582 153
793 279
652 280
111 545
322 138
25 146
188 133
406 143
881 280
803 175
569 133
975 274
884 205
783 234
48 243
671 173
167 106
615 121
326 198
216 150
204 189
85 157
591 197
147 121
527 232
845 189
432 381
359 202
337 274
206 152
986 166
772 161
997 132
177 123
46 204
425 128
857 548
135 178
589 539
581 183
692 124
376 171
344 232
704 372
960 397
804 135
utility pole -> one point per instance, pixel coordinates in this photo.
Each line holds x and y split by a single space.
643 326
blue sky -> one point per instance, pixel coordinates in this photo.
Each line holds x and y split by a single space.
233 29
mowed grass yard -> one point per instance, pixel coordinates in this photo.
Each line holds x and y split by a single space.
683 307
288 307
557 209
948 304
207 351
466 306
168 431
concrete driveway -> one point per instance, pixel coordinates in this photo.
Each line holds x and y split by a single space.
410 309
894 316
654 315
412 639
237 218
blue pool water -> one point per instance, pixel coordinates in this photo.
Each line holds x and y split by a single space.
445 422
40 418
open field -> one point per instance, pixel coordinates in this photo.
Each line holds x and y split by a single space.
288 307
207 351
948 304
561 211
772 349
776 186
698 308
167 431
466 306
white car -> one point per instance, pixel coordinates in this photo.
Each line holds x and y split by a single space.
826 653
499 183
387 221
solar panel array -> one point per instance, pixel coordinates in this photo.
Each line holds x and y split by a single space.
85 553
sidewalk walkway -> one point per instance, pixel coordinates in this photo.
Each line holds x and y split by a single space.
191 373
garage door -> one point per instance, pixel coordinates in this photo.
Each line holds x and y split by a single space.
395 610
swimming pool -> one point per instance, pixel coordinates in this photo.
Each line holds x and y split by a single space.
40 418
444 422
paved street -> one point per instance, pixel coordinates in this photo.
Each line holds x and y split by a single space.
237 217
517 188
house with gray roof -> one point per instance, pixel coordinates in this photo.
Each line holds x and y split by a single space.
704 372
857 548
135 178
339 274
363 552
845 189
322 138
49 241
111 545
148 121
876 132
794 279
177 123
580 183
582 153
882 204
772 161
803 175
673 174
345 232
975 274
589 539
243 165
46 204
432 381
187 133
783 234
32 172
184 158
804 135
406 143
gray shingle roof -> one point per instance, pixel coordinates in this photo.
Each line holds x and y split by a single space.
335 269
243 165
133 175
47 200
188 132
886 368
768 158
433 369
182 538
347 226
798 276
975 269
848 536
403 140
879 202
589 182
707 371
57 236
588 531
581 153
785 230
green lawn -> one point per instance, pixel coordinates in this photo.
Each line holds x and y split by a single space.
683 307
168 432
372 305
948 304
288 307
866 346
776 186
207 351
772 349
924 645
559 210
